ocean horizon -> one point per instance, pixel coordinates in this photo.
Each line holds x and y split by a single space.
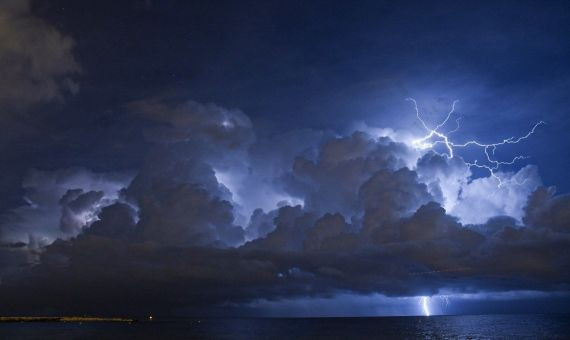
490 326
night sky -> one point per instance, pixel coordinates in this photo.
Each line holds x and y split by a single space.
262 157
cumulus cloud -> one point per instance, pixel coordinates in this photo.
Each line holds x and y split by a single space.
391 195
303 256
36 60
60 203
331 181
179 189
444 177
260 224
482 199
185 214
37 66
117 220
547 210
178 236
77 209
192 121
475 200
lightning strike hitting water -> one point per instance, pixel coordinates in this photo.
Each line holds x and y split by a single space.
427 142
444 300
425 305
426 301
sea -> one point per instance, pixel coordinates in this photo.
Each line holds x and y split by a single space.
546 326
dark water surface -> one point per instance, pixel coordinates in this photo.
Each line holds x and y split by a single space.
433 327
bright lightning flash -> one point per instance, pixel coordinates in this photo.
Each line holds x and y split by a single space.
435 137
425 305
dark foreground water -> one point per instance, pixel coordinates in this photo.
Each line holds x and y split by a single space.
434 327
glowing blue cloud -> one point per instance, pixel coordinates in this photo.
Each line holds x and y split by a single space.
436 137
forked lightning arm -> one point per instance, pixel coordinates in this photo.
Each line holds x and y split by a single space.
443 138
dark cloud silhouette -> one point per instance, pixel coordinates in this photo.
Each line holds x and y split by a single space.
331 182
36 60
192 121
149 191
116 221
171 241
60 203
545 209
38 67
186 215
144 273
75 206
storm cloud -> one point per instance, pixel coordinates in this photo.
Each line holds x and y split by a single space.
36 59
216 168
369 223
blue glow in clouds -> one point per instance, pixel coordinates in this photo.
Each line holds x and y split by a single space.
435 137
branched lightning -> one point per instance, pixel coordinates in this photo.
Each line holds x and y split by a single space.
435 137
426 301
444 300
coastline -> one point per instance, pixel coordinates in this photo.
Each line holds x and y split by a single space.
62 319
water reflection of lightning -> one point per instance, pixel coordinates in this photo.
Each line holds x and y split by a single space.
436 137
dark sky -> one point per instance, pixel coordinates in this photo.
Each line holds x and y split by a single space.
146 134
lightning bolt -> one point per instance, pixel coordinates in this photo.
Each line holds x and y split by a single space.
436 137
444 300
425 305
425 301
